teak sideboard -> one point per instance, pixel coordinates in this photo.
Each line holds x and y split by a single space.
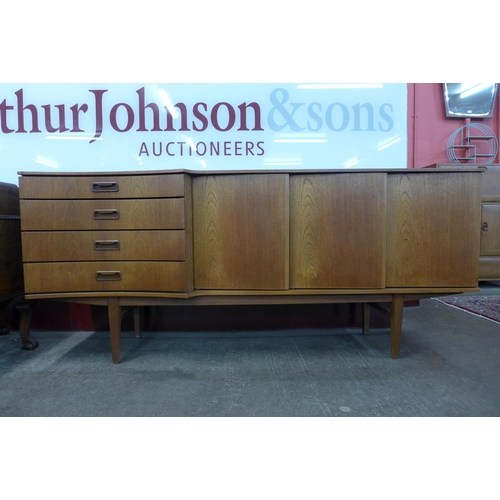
129 239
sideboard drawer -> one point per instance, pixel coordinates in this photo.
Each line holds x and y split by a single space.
489 268
117 276
64 215
66 246
109 186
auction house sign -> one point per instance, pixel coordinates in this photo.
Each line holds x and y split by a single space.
120 127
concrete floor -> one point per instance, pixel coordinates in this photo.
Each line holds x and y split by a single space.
449 366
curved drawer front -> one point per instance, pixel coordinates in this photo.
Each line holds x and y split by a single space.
105 276
104 186
67 246
66 215
489 268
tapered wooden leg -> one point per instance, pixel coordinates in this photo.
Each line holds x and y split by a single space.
25 308
366 317
115 326
396 324
137 321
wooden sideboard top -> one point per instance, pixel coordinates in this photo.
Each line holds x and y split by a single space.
451 168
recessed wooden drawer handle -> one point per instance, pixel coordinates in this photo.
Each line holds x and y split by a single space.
106 213
108 275
104 187
107 245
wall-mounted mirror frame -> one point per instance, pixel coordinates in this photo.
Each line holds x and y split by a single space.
469 100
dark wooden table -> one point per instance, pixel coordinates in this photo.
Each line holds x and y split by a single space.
11 265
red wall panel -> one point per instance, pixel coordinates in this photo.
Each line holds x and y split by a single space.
428 127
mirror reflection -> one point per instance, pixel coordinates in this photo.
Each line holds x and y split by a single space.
469 99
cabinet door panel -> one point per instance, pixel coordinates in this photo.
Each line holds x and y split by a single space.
490 236
241 231
337 230
490 183
433 229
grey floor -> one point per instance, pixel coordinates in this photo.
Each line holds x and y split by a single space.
449 366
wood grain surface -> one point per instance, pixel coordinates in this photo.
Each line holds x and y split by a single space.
53 246
62 215
337 230
433 229
82 276
81 187
241 231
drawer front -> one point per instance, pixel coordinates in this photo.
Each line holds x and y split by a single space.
65 246
489 268
63 215
109 186
105 276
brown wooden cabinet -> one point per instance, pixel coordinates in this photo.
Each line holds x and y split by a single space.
11 268
207 238
11 281
11 264
488 226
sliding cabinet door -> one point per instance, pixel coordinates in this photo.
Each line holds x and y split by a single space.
241 231
337 230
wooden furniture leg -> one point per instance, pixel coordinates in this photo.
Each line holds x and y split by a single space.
115 323
366 317
25 308
137 321
396 324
